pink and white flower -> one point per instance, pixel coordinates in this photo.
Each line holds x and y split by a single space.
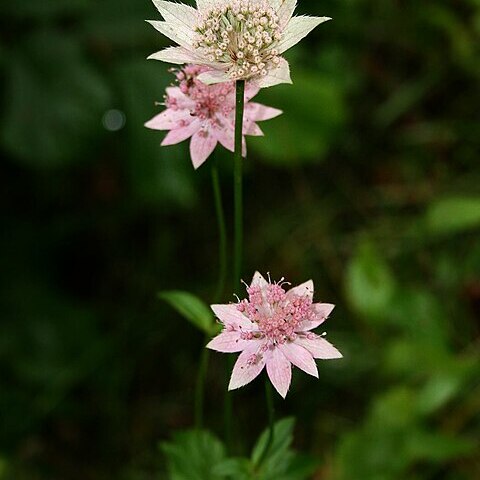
237 39
206 113
273 329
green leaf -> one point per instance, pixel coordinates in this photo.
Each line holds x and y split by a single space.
453 215
282 438
438 391
370 284
194 455
191 308
235 468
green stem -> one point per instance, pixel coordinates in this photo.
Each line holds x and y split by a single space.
222 274
238 231
222 234
238 185
271 422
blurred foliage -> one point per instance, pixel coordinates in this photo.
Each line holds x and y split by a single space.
369 184
207 459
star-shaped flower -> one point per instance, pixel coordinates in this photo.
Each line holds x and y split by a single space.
273 328
206 113
238 39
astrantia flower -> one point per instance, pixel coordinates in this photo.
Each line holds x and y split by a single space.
207 114
272 328
238 39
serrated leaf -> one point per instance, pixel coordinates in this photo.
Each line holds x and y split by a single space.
193 455
192 309
237 468
282 438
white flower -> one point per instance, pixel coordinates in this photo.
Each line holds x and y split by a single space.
237 39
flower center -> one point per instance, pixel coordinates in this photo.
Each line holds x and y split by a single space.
277 315
242 33
209 100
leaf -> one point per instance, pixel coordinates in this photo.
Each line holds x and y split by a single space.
191 308
370 284
454 215
193 455
282 438
438 392
236 468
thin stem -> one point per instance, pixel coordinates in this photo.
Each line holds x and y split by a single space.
222 235
238 231
238 185
271 422
222 274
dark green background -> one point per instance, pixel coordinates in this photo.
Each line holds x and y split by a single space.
369 184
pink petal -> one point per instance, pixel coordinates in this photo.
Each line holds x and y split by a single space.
167 120
226 137
300 357
319 348
229 342
175 92
180 134
258 281
322 312
279 371
245 370
259 112
201 147
231 317
252 129
305 289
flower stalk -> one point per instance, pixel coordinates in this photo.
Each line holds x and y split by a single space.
238 185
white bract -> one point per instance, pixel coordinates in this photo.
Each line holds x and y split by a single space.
236 39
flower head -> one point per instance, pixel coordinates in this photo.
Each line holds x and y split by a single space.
206 113
238 39
273 328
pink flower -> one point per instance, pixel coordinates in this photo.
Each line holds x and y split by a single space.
273 329
206 113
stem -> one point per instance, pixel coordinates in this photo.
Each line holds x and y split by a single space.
238 185
222 234
238 231
271 422
222 273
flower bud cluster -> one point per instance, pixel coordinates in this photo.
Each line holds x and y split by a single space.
243 34
208 100
277 314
